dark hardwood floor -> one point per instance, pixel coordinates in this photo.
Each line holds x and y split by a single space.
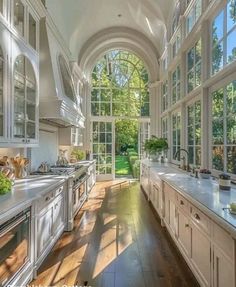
117 242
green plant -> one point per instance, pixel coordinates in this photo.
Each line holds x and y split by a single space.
155 144
5 184
78 154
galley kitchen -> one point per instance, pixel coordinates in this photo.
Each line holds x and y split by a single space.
118 143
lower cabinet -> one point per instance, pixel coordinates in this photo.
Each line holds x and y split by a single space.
201 255
208 249
184 233
223 269
50 222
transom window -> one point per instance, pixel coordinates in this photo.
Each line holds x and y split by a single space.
223 37
120 86
194 133
176 86
194 60
224 129
176 132
19 16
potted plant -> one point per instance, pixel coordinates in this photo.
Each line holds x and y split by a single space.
155 145
205 173
224 181
5 183
77 155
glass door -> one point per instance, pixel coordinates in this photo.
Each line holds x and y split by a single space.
103 149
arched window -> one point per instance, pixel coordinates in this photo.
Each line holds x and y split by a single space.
120 86
1 92
25 98
66 79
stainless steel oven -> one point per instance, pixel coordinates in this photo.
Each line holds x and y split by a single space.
14 246
79 192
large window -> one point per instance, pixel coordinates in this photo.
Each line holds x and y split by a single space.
224 129
194 133
176 44
193 15
164 127
194 66
175 94
120 86
176 132
176 17
223 37
164 91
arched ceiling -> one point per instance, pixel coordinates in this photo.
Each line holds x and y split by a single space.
79 20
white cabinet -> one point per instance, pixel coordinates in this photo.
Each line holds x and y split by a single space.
184 233
223 269
201 255
71 136
44 229
50 221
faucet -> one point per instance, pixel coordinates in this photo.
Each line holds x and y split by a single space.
185 167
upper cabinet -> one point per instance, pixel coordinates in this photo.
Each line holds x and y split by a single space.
25 101
19 74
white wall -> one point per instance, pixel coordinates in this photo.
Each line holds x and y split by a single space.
48 147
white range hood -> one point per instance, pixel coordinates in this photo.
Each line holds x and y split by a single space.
58 104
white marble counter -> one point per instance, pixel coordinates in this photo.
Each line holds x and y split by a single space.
203 193
25 191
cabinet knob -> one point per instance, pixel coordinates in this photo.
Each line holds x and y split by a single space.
23 140
181 202
47 198
197 216
186 225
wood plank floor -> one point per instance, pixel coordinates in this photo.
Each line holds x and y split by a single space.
117 242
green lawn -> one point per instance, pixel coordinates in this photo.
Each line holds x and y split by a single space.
122 165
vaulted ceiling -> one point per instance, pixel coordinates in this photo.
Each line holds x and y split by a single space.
79 20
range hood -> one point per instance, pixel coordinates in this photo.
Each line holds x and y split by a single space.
58 104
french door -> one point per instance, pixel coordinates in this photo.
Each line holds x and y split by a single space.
103 149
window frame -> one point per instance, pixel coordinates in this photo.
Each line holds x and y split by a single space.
174 87
176 112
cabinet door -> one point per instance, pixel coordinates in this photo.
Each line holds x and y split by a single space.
184 233
166 209
172 211
44 229
58 214
223 269
201 255
156 192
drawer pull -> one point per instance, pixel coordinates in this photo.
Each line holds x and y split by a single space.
47 198
186 225
197 216
181 202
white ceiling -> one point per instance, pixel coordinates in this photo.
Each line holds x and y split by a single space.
79 20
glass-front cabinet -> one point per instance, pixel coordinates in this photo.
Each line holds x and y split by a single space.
25 101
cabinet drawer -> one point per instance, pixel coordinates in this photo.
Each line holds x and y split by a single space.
45 200
183 204
58 190
224 241
200 219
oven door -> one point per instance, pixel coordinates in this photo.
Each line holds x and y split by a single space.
14 246
79 194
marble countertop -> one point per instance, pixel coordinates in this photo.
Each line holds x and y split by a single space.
25 191
203 193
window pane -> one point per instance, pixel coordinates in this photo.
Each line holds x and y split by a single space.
218 103
190 81
231 14
231 98
217 27
190 59
19 16
198 156
231 130
217 58
198 75
231 159
218 158
217 132
231 47
191 155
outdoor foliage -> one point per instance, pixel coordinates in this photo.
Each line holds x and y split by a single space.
155 144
